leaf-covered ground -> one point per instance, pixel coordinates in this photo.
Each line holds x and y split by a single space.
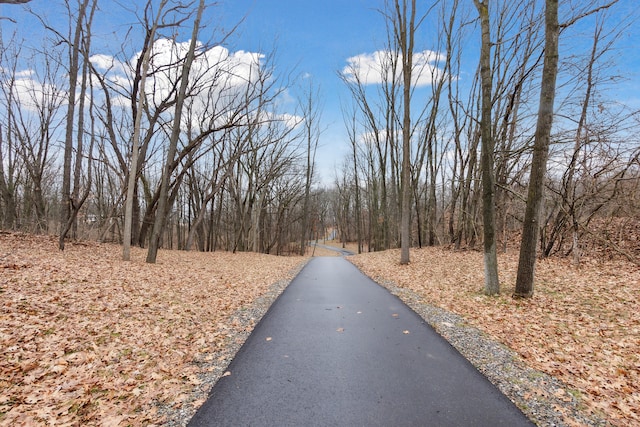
87 339
582 326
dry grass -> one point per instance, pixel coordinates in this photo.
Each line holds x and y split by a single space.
582 326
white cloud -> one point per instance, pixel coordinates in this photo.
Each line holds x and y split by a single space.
25 74
218 82
291 121
218 73
32 95
375 68
218 77
108 63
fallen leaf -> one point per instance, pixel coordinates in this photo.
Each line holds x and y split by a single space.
86 335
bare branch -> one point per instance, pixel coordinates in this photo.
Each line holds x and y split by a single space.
588 13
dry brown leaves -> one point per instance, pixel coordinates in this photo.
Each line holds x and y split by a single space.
88 339
582 326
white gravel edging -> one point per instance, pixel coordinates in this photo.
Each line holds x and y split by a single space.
540 396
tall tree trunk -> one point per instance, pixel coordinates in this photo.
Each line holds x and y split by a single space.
357 194
7 185
77 171
163 205
531 225
74 58
491 282
570 196
405 37
431 188
133 167
77 199
311 134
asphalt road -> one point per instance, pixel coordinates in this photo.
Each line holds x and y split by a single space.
336 349
341 251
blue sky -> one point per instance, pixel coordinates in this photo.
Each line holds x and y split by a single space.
315 38
308 37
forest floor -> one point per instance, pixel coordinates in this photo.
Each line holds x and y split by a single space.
88 339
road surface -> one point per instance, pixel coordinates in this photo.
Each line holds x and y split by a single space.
336 349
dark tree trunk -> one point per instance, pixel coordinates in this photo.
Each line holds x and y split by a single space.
531 225
491 283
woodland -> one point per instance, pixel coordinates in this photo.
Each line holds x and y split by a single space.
182 145
172 141
90 339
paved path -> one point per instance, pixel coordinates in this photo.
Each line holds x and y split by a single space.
336 349
341 251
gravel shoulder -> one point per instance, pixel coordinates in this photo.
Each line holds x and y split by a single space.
544 399
215 364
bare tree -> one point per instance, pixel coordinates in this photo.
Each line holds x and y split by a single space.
491 280
9 174
158 225
311 135
33 117
350 120
74 67
133 170
405 26
78 199
531 225
380 141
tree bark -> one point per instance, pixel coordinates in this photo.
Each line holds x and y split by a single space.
7 186
531 226
405 35
163 205
133 167
311 135
74 54
491 281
